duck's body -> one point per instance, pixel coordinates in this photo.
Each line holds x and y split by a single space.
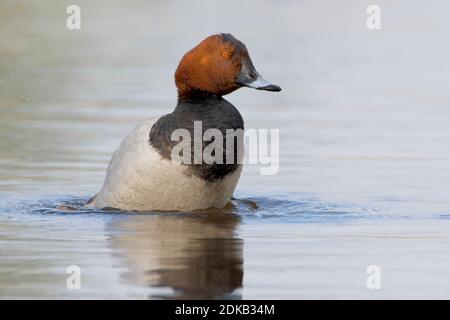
143 173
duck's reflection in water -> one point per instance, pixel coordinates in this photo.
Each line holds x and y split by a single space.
196 256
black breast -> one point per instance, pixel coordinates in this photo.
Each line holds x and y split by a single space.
213 113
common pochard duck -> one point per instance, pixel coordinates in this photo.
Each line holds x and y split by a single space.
143 176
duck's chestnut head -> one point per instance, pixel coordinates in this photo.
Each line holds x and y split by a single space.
218 65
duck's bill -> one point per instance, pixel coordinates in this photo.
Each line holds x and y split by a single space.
249 77
261 84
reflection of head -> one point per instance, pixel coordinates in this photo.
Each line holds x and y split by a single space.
196 255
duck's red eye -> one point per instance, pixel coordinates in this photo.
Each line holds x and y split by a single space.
225 54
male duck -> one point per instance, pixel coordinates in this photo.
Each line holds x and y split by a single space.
142 174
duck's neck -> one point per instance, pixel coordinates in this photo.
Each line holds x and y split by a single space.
197 96
214 112
201 104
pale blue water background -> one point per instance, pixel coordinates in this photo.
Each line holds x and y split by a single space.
364 149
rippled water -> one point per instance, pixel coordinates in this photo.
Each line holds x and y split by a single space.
364 158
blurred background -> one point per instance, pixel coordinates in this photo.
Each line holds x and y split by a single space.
364 136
